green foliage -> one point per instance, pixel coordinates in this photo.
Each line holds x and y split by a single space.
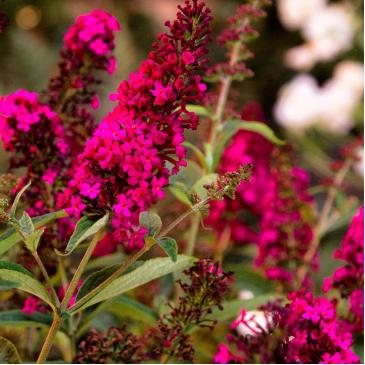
182 183
33 239
198 154
8 352
23 280
11 237
199 188
199 110
151 221
123 308
96 278
150 270
25 225
85 228
16 318
169 245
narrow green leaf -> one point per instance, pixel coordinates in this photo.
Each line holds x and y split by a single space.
33 239
11 237
6 285
85 228
104 261
25 224
23 280
126 307
231 127
198 109
8 352
151 221
169 245
17 198
150 270
187 176
198 154
96 278
121 307
16 318
181 195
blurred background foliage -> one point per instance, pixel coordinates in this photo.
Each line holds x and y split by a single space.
30 47
29 50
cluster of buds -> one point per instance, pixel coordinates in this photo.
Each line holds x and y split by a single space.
234 38
227 184
206 286
204 289
114 346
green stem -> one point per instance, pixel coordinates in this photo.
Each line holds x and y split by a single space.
80 269
46 277
132 259
223 96
56 323
193 234
322 222
126 264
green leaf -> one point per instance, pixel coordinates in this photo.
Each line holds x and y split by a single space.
8 352
96 278
231 127
199 185
25 224
17 198
33 239
151 221
16 318
104 261
198 110
169 245
198 154
85 228
181 195
122 307
23 280
11 237
126 307
187 176
150 270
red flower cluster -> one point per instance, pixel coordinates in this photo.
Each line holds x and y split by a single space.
34 134
349 279
305 331
269 210
43 136
88 47
136 147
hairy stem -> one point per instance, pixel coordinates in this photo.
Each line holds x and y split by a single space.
223 96
322 222
125 265
80 269
56 323
46 277
132 259
193 234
